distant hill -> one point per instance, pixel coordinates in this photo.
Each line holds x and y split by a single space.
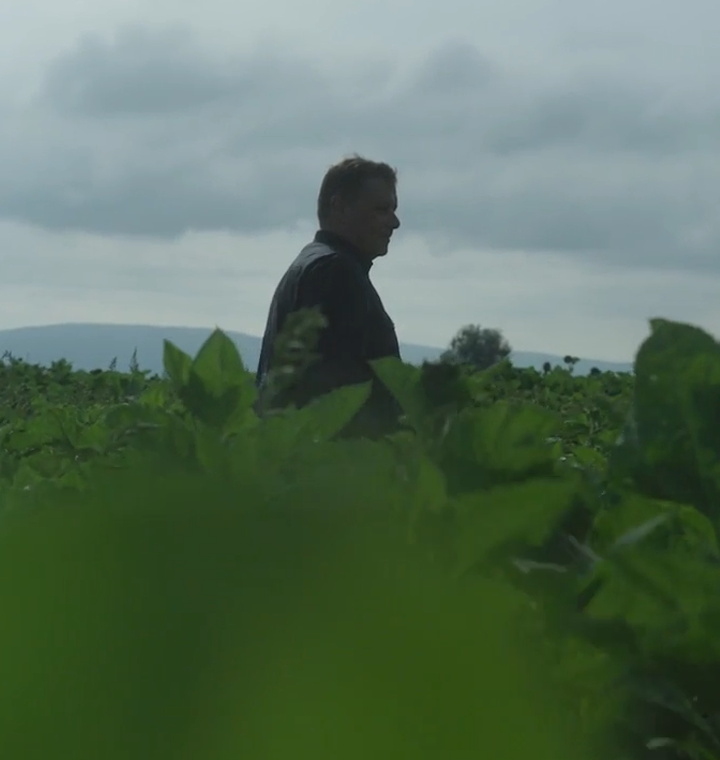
94 346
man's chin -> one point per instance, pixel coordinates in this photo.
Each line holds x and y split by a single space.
382 249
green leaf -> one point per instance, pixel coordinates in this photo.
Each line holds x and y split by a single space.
501 443
325 417
26 476
430 486
589 457
634 509
211 453
154 396
218 363
654 588
176 364
506 515
69 426
39 431
92 437
217 390
123 416
403 381
214 406
672 448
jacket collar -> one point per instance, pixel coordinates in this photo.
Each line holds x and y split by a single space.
339 243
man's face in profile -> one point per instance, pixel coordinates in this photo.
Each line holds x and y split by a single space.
370 219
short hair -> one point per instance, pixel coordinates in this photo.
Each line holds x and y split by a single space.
347 179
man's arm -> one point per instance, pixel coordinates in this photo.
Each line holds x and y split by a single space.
336 289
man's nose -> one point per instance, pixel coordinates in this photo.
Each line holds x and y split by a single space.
396 221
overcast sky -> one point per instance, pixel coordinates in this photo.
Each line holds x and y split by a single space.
559 162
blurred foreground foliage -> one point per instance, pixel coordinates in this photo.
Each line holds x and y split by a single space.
529 567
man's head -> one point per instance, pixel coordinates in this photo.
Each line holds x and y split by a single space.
358 200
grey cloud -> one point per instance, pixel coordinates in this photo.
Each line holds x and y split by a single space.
144 72
161 202
150 135
453 70
606 117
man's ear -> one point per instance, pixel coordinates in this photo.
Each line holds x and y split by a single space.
337 205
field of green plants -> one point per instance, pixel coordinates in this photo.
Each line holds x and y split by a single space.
531 566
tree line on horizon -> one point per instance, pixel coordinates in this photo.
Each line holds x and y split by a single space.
482 347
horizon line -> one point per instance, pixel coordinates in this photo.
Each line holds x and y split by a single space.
145 325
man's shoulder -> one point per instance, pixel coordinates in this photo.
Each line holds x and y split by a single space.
314 252
318 258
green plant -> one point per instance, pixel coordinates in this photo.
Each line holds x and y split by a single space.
550 540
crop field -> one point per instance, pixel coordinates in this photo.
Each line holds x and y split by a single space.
530 567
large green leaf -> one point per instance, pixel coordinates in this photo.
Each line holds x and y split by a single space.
325 417
176 364
496 444
214 386
518 514
215 405
403 381
674 448
218 363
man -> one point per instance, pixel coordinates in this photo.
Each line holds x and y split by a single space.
357 215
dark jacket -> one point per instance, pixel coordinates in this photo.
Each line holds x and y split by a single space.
333 275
